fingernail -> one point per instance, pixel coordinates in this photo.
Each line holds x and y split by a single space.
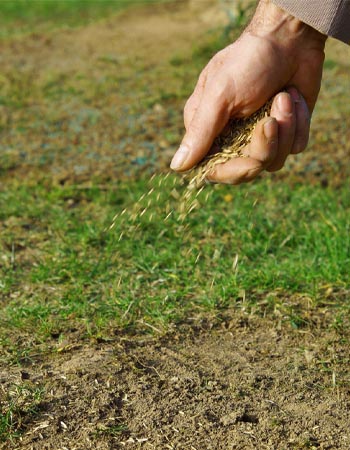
270 129
284 104
179 157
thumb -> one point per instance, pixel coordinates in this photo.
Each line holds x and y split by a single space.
207 123
261 151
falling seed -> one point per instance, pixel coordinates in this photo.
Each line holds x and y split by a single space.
212 283
229 144
192 207
174 193
235 262
199 191
168 215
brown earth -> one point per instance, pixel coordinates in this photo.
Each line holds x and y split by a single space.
240 382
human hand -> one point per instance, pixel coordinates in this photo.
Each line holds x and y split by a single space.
276 52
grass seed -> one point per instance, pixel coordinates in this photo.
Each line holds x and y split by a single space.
229 144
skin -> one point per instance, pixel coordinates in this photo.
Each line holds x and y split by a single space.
276 52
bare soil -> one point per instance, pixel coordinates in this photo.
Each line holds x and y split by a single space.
241 382
238 383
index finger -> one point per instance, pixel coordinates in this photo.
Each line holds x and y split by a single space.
208 121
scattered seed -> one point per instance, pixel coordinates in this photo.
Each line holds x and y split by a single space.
229 144
168 215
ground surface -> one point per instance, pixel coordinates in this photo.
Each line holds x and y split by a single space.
248 383
232 379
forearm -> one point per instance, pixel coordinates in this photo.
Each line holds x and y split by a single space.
284 29
329 17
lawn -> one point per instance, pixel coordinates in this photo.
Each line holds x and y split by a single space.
92 236
260 241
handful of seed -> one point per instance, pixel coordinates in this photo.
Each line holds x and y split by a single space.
229 144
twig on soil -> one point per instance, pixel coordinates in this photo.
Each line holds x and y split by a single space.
142 322
148 367
249 433
275 404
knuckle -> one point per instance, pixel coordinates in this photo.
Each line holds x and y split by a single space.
219 95
252 173
195 127
275 167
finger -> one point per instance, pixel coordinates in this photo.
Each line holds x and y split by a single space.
284 112
303 119
263 145
194 100
191 107
259 153
208 121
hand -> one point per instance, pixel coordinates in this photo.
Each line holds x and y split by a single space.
276 52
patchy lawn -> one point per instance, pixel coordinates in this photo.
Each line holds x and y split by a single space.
226 329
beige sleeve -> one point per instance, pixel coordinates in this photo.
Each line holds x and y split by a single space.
330 17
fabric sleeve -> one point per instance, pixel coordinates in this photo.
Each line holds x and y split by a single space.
330 17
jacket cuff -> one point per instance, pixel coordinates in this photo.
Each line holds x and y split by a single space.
331 18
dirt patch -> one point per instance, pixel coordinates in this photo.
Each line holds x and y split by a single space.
246 384
150 33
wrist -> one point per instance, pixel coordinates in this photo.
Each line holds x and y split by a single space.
282 29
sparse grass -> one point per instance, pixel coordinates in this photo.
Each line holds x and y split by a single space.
20 403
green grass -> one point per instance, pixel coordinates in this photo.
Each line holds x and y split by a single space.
61 269
25 16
